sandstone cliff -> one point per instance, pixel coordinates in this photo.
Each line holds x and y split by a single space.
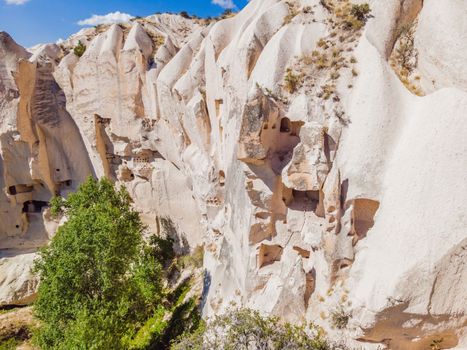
321 162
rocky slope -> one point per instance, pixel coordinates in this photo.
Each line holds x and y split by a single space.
319 161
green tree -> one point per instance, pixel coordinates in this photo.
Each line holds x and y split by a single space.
99 281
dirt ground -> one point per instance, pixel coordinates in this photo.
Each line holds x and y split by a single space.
16 324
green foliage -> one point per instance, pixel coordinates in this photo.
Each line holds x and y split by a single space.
191 341
79 49
10 344
185 319
178 316
151 331
99 280
245 329
179 293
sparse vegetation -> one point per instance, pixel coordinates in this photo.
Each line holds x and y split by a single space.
322 67
322 43
291 80
404 58
292 13
361 12
327 91
185 14
269 93
357 16
195 259
322 61
340 317
227 14
157 40
79 49
326 4
436 344
335 75
15 331
7 310
307 9
405 53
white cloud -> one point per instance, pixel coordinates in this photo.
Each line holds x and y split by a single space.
225 4
113 17
16 2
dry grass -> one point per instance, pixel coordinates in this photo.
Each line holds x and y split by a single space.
291 80
404 59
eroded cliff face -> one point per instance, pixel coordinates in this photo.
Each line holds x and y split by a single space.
321 164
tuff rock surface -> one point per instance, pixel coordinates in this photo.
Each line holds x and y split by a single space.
321 164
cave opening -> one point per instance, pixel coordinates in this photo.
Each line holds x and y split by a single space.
363 214
126 174
285 125
269 254
16 189
221 178
329 148
304 200
34 206
310 284
66 183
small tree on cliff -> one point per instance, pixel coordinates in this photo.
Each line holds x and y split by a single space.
98 279
79 49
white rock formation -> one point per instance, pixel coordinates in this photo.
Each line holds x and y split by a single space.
322 165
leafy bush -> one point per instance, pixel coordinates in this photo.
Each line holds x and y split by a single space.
151 331
79 49
244 329
98 278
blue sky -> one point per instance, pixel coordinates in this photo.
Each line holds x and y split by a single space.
31 22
